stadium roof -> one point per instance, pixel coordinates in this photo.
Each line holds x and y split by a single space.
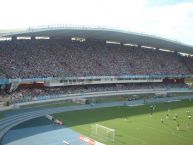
104 34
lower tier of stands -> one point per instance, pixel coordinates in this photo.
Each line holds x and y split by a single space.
23 94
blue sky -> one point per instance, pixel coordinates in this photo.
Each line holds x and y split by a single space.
167 18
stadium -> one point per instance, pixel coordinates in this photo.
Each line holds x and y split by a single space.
62 84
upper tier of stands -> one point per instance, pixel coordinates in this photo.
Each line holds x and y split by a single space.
59 58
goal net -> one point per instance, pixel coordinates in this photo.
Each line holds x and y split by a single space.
102 132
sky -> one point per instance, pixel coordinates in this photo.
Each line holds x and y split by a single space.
171 19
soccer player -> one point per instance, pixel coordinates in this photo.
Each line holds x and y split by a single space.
189 117
167 116
151 110
176 115
154 107
188 112
178 126
174 118
162 121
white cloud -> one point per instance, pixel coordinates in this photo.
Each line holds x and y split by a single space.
168 20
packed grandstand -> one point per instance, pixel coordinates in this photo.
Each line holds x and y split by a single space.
58 58
76 66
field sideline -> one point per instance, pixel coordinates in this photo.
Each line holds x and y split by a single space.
135 126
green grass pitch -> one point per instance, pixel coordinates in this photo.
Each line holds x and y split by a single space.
135 126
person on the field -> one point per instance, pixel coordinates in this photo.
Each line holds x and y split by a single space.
154 107
176 115
187 112
62 122
189 117
178 126
162 121
167 116
151 110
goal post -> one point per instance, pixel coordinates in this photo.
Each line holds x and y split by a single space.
103 132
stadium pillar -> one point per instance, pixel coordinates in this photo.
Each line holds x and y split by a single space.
14 38
139 46
103 42
52 37
32 37
67 39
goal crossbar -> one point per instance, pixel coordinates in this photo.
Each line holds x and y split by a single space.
110 129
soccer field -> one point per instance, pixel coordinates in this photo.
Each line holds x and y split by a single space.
135 126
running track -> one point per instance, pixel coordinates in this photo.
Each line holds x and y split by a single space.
21 116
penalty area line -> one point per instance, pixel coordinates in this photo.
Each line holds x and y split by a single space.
133 105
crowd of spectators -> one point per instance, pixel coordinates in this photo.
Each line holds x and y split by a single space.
188 61
59 58
29 94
